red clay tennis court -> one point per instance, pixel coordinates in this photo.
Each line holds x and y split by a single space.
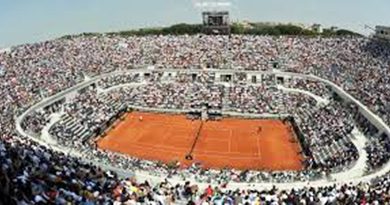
231 142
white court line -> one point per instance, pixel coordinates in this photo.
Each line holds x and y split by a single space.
176 150
230 141
200 153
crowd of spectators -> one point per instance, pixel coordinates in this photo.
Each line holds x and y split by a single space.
35 121
34 174
317 88
86 116
378 149
350 62
263 99
377 146
329 136
120 79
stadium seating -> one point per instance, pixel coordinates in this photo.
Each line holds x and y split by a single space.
35 174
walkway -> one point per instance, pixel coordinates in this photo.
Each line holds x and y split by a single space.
317 98
55 117
359 140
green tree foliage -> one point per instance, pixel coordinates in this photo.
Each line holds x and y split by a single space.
344 32
236 28
180 29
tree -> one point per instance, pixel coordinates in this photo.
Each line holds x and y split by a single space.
236 28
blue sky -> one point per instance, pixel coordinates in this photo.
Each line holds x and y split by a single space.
24 21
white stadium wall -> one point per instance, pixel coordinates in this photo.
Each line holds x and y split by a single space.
375 120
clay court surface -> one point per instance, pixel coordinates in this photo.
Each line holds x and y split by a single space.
231 142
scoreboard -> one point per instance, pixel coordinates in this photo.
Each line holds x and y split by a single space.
216 22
